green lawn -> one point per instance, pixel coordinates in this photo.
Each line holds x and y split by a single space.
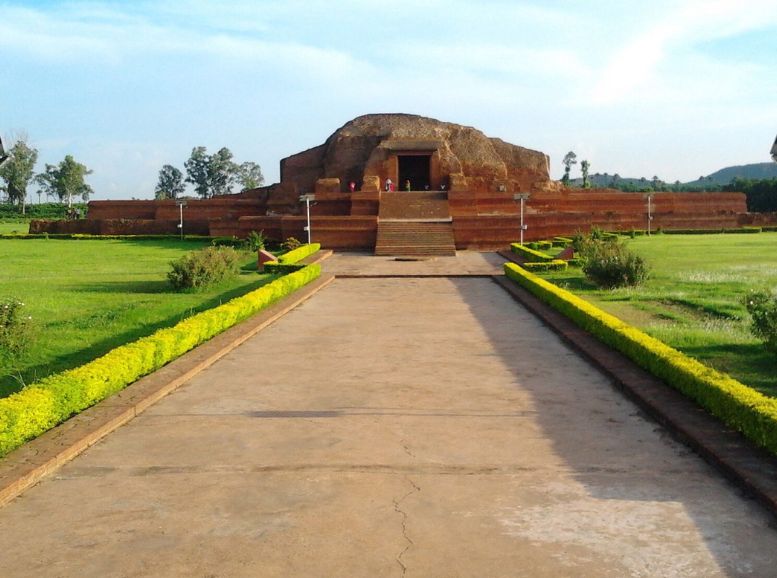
14 227
87 297
693 299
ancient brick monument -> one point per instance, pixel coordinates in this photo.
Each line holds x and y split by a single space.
405 184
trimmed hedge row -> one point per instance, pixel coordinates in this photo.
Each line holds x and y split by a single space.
299 253
52 400
529 254
554 265
562 241
739 406
540 245
277 268
737 230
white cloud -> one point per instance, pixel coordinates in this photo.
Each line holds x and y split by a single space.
644 62
619 79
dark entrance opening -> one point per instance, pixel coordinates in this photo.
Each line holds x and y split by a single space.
414 168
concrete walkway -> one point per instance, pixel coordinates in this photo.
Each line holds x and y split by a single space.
390 427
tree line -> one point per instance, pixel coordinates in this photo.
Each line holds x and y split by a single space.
209 174
63 181
761 193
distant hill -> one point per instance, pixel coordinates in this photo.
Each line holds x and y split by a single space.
753 171
720 177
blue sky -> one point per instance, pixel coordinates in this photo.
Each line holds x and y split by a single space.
675 89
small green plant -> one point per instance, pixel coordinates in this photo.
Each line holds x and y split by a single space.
15 327
200 269
762 307
290 244
256 241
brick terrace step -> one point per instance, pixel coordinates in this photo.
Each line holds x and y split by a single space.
415 238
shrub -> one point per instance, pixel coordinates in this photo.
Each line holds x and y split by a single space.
609 263
15 327
290 244
762 307
233 242
199 269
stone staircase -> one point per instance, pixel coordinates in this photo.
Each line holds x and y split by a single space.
415 224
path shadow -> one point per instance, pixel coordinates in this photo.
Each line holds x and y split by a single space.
597 432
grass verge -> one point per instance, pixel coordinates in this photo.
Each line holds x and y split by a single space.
88 297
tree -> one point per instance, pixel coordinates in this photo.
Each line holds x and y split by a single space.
197 171
222 172
569 159
584 166
657 183
65 180
211 174
17 171
170 184
250 176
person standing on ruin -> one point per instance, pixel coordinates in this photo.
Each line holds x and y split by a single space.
407 185
389 185
352 186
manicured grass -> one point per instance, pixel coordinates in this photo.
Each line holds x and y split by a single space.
14 227
87 297
693 299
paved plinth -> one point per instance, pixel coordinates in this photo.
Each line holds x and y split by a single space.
390 427
465 263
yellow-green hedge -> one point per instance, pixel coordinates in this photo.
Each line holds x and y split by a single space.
299 253
52 400
531 255
739 406
554 265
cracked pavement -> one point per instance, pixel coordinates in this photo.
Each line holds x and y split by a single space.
390 427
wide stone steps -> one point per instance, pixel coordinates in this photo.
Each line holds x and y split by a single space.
413 238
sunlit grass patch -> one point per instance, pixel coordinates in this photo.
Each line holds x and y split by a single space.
87 297
693 298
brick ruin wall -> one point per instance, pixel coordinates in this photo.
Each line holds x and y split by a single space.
481 220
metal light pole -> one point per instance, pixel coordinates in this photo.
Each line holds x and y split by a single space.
522 197
181 205
650 212
308 198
